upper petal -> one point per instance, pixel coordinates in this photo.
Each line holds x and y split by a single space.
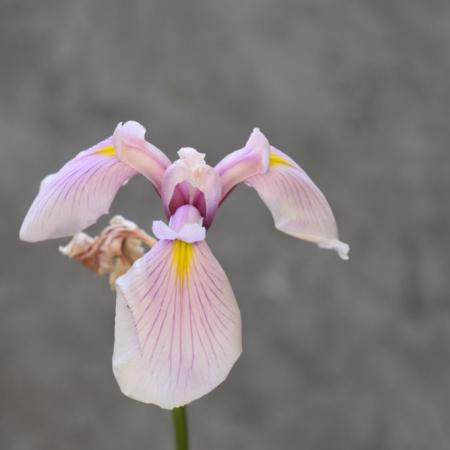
175 174
297 205
244 163
132 149
178 326
189 180
84 188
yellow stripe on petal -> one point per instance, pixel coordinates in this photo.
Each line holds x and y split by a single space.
107 151
276 160
181 259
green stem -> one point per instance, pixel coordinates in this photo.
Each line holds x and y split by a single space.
180 428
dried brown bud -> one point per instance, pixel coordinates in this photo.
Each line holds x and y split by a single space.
113 251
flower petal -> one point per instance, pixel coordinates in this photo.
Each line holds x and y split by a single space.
244 163
84 188
189 180
210 194
76 196
132 149
178 326
178 173
185 225
297 205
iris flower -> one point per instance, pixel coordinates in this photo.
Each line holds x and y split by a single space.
177 325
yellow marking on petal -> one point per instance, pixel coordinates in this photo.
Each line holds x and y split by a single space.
181 259
276 160
107 151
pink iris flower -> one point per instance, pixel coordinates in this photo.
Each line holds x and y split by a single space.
177 326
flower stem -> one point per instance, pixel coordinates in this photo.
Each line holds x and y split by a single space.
180 428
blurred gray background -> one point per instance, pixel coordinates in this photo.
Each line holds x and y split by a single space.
337 355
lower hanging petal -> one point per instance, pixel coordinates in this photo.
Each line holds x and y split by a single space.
297 205
178 326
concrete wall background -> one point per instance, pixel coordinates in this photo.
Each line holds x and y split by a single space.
342 356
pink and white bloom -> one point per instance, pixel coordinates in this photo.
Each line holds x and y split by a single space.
178 325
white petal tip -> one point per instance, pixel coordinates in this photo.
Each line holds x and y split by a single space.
26 235
24 238
257 138
134 128
192 157
190 233
129 133
341 248
131 126
162 231
22 234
